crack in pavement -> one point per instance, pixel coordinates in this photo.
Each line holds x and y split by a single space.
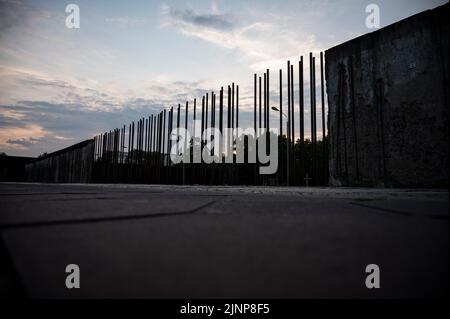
103 219
397 212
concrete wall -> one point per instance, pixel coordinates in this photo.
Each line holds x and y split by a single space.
388 105
70 165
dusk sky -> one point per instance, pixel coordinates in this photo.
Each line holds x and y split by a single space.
129 59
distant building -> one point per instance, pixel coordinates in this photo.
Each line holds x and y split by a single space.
12 168
388 105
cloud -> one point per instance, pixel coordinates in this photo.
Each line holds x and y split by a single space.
23 142
50 100
254 38
59 112
15 13
20 137
189 18
37 81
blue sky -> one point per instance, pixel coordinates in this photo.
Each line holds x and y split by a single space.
59 86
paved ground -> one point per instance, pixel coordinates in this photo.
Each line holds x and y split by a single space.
165 241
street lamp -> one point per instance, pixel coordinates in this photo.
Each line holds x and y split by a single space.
287 143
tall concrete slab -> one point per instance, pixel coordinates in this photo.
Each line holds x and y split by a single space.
388 105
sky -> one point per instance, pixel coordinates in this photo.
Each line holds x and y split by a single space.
129 59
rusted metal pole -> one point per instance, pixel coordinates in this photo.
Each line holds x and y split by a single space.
112 146
151 140
96 140
292 105
157 138
213 113
178 121
145 138
302 119
313 116
185 141
206 113
203 123
178 126
107 147
95 147
281 102
254 102
164 136
103 146
232 105
193 130
186 116
213 119
161 133
148 140
154 140
311 97
229 107
195 114
110 149
288 177
293 124
123 142
237 106
139 140
221 123
267 102
132 142
142 140
141 129
322 91
260 110
264 100
129 144
169 133
117 145
229 136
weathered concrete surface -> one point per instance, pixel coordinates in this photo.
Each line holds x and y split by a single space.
72 164
179 241
388 115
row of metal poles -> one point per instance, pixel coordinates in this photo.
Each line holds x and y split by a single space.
147 137
148 140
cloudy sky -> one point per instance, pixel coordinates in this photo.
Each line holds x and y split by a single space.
59 86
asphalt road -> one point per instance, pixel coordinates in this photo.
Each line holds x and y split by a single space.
221 242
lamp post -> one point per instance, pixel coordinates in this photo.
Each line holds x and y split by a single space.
287 144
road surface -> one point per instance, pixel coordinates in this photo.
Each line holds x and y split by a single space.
158 241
